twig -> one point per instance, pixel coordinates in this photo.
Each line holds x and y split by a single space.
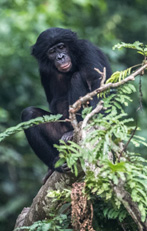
98 108
140 96
103 75
126 145
77 105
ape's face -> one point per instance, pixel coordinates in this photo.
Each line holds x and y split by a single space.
60 56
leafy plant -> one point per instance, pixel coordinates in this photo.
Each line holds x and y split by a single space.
140 47
58 223
110 130
30 123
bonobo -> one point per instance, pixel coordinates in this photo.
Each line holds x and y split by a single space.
66 66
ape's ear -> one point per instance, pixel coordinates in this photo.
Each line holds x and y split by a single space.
35 51
39 50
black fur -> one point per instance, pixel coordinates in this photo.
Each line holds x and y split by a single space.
62 88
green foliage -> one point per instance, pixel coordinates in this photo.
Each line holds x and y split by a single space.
114 130
133 173
129 168
103 143
63 195
69 153
58 223
86 111
30 123
113 213
119 75
137 183
140 47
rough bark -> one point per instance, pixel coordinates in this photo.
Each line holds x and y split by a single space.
42 205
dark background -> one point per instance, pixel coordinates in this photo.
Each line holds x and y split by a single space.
104 23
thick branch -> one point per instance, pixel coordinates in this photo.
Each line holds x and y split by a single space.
42 205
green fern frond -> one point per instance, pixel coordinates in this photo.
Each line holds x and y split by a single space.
119 75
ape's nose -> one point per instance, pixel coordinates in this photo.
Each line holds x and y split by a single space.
60 56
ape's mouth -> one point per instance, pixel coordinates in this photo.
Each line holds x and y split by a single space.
66 66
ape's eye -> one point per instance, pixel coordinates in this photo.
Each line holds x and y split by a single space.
62 46
51 51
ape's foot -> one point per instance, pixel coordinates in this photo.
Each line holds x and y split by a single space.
67 136
62 169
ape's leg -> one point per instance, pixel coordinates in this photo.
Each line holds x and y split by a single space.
42 137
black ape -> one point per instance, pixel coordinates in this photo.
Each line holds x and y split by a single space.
66 66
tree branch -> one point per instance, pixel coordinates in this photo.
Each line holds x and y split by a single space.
98 108
129 204
77 105
42 206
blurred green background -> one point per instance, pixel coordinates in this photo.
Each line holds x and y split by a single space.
103 22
